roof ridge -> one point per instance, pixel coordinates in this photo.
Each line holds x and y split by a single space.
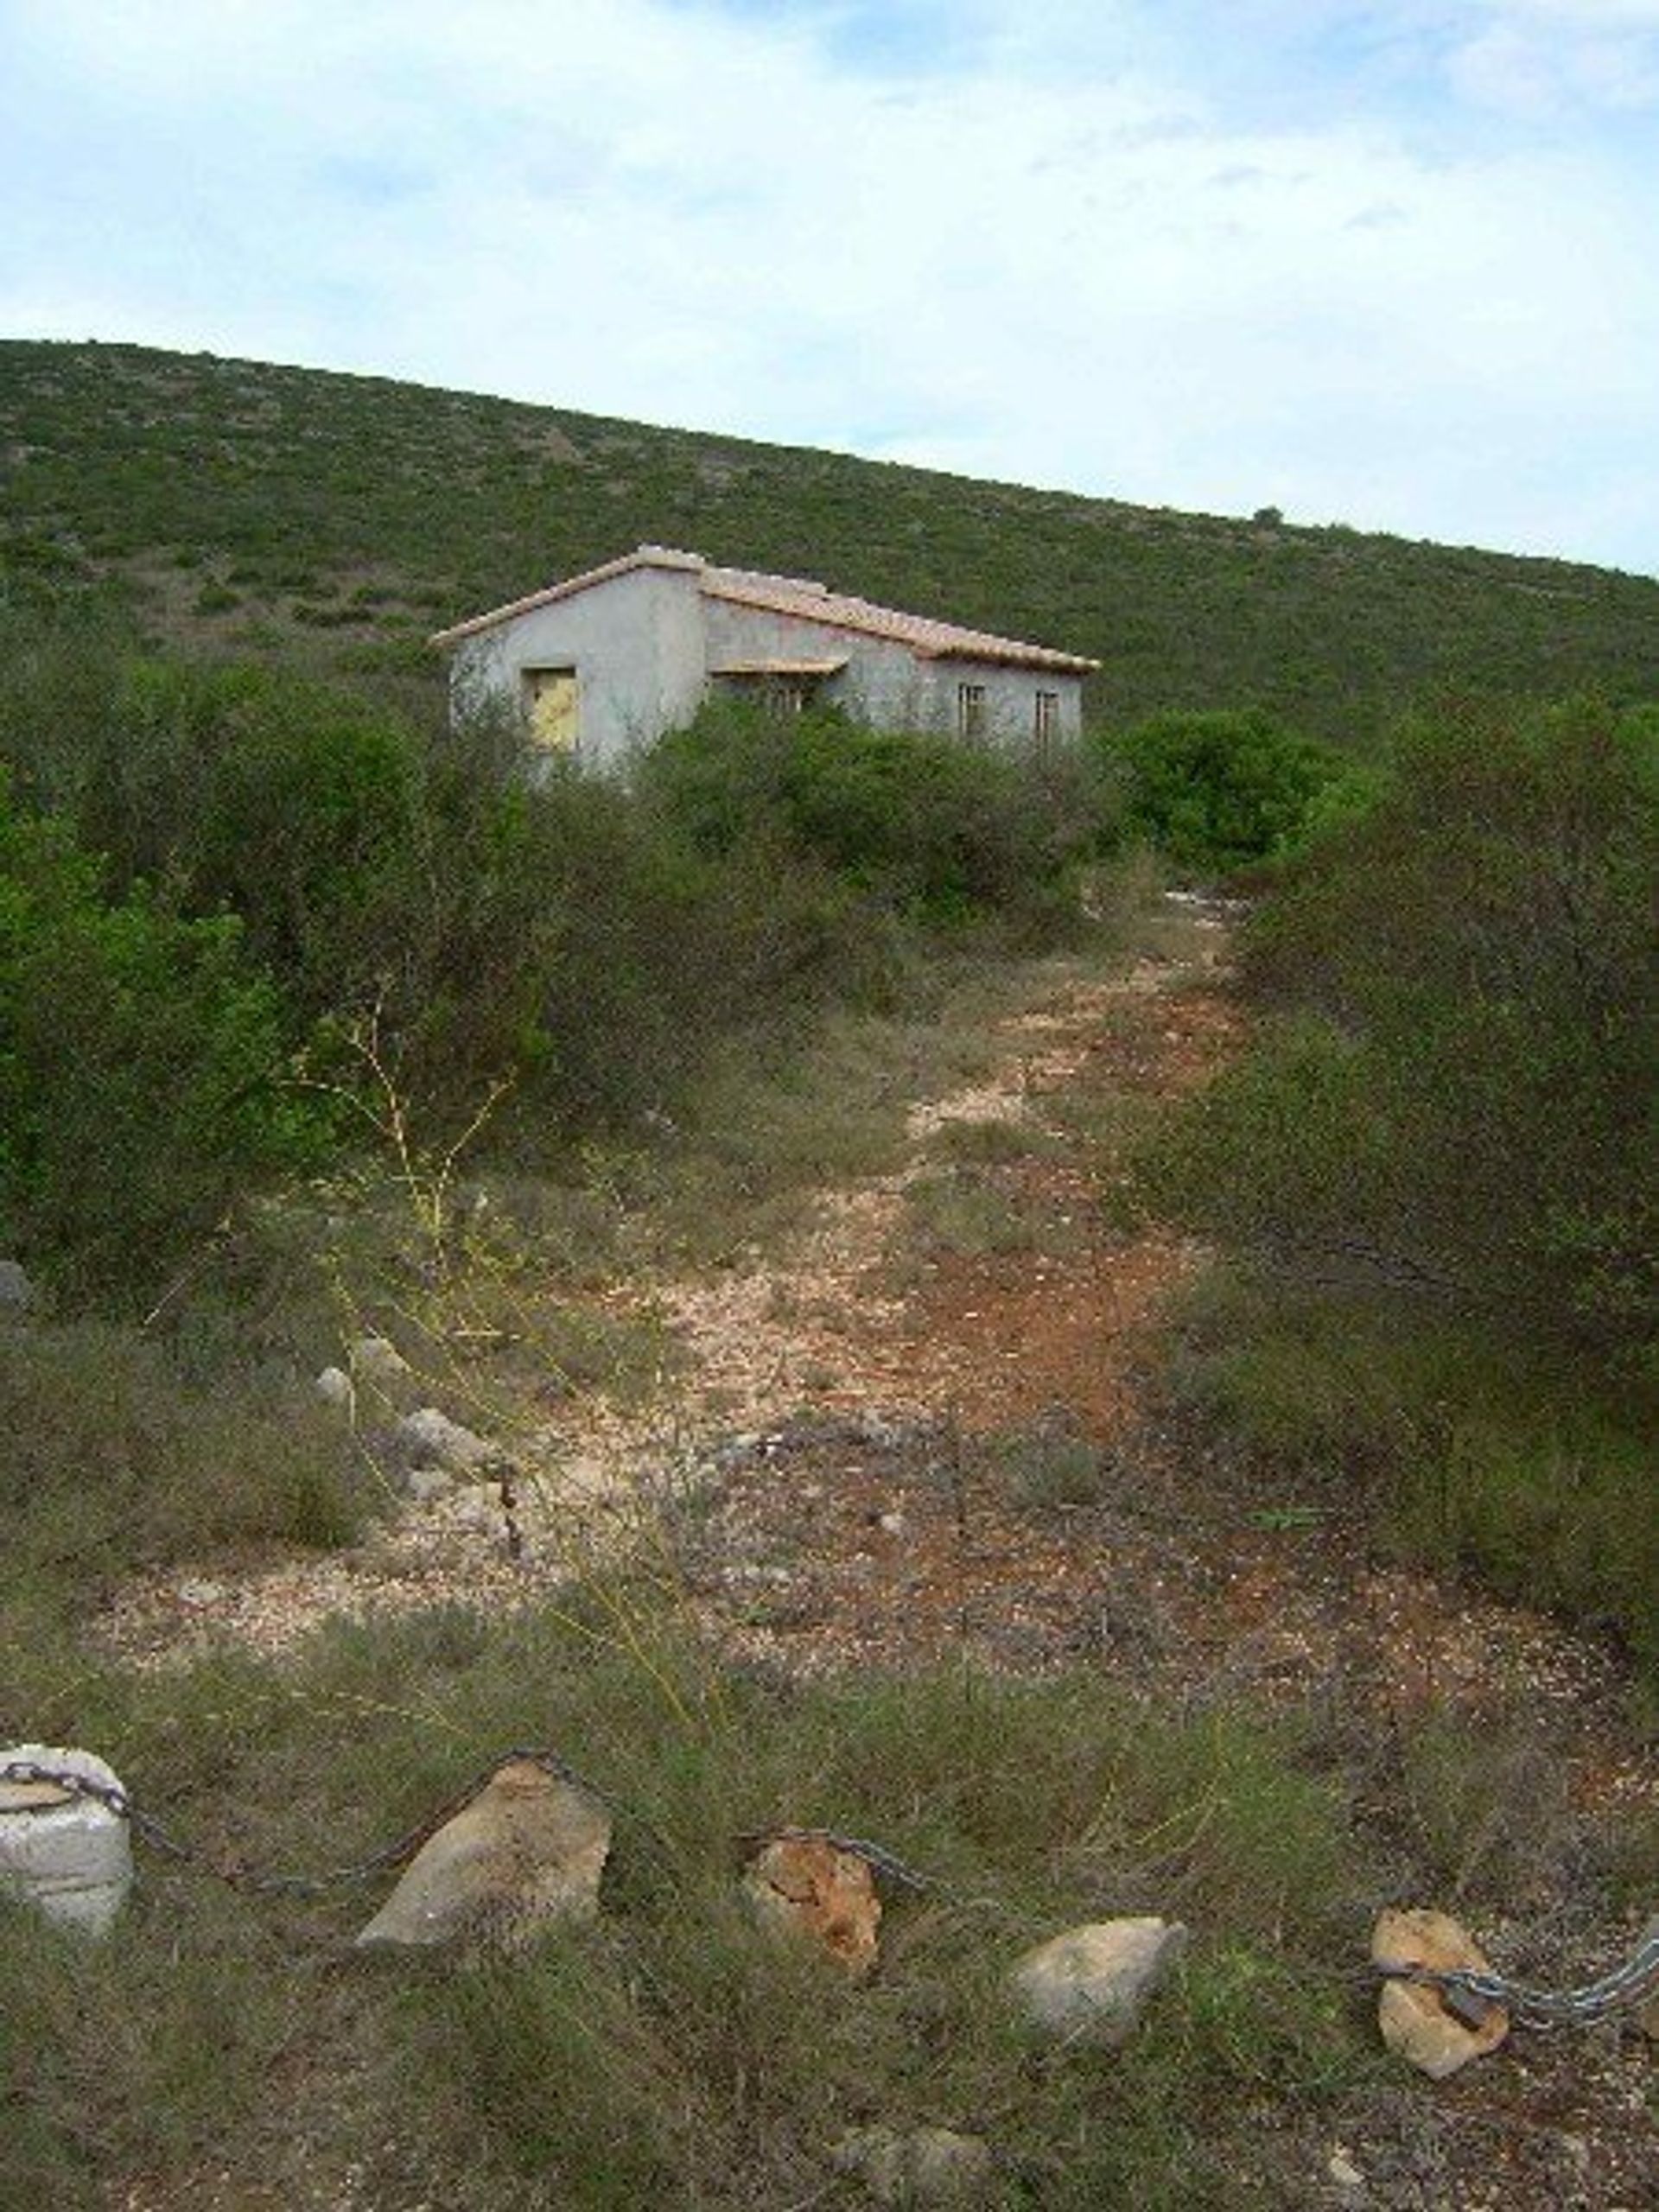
803 598
643 556
930 636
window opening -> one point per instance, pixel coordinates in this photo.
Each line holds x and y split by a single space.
551 708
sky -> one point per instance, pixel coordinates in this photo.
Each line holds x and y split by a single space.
1389 263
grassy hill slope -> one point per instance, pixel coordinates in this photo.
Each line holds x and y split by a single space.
259 505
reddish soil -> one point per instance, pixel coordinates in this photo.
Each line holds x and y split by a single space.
908 1451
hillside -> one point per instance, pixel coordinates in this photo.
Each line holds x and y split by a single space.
257 506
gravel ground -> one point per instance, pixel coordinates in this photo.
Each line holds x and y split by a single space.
867 1460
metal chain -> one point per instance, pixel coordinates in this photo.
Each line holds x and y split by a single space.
146 1826
1471 1995
875 1856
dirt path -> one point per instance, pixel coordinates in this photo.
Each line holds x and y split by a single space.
827 1323
926 1428
887 1426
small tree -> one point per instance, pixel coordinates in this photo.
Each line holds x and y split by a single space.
1458 1098
141 1059
1216 790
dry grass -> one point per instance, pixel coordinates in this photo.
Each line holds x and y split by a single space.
670 2056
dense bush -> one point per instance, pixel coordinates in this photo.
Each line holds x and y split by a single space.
1458 1094
1442 1141
923 826
1217 791
141 1059
309 911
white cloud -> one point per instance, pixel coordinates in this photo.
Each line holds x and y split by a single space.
1097 275
1542 59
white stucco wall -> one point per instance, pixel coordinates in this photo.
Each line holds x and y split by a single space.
635 642
643 643
886 685
883 683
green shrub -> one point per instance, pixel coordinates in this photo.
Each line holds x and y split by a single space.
938 830
1458 1099
141 1065
1443 1140
1217 791
410 890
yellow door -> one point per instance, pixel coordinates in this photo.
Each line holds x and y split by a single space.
551 696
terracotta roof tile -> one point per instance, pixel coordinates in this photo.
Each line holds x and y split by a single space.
808 602
644 557
800 598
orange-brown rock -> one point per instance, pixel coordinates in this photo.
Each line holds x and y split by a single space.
804 1887
1413 2015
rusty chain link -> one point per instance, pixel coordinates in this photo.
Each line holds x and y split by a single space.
1469 1994
876 1857
150 1831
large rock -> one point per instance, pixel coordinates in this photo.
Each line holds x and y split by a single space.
430 1438
1094 1981
17 1291
1413 2015
922 2166
68 1854
529 1849
806 1888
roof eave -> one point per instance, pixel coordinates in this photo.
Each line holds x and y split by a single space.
643 556
1035 656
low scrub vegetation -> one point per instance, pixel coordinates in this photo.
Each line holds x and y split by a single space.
928 828
117 1459
1443 1140
342 517
252 924
1216 791
673 2054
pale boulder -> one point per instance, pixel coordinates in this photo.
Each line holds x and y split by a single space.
529 1849
1413 2016
430 1438
921 2165
1093 1982
378 1362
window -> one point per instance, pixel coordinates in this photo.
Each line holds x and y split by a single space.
782 693
971 711
787 695
550 706
1045 726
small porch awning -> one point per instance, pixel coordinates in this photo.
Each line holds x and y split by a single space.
797 669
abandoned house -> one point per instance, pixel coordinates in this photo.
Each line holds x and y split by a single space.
609 661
